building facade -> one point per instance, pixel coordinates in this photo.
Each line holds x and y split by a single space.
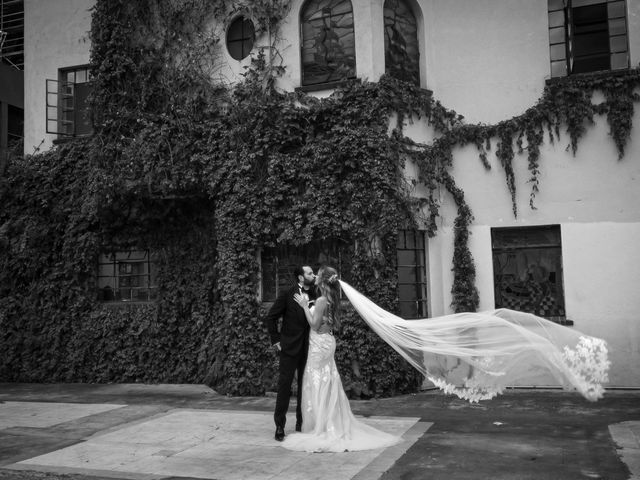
574 258
11 76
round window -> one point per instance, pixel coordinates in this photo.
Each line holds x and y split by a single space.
240 37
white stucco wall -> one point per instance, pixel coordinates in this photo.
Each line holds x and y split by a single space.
486 60
56 36
595 198
601 289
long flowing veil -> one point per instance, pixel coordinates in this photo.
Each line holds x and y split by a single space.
476 355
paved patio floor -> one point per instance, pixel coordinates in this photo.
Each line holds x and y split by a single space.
143 432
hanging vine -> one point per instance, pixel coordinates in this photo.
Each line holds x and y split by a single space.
565 103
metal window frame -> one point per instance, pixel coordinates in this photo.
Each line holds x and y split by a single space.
115 261
566 7
243 37
279 260
562 319
421 283
303 11
573 36
61 105
12 32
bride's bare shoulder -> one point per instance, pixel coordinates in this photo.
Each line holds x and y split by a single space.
321 301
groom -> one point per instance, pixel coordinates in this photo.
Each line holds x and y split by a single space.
292 342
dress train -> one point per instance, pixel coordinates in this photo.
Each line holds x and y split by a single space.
328 423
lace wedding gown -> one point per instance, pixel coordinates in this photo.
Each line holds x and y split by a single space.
328 423
473 355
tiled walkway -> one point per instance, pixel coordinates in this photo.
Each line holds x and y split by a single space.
626 435
144 432
210 444
44 414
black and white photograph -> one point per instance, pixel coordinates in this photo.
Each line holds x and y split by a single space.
319 239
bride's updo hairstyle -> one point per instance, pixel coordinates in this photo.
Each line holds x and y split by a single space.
329 287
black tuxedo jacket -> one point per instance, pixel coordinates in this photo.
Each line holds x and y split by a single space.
294 334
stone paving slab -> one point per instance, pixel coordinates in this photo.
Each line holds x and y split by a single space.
216 444
46 414
524 434
627 436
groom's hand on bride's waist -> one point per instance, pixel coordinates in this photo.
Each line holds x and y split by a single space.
277 347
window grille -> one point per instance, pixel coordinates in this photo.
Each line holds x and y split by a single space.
12 33
278 264
587 36
240 38
527 269
68 112
412 275
126 276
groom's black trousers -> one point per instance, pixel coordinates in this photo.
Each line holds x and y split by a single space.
288 366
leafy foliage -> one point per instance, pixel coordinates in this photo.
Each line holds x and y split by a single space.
565 102
205 176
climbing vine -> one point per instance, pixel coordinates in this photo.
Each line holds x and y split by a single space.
566 104
207 175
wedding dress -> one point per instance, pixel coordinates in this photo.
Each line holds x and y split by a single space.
472 355
328 424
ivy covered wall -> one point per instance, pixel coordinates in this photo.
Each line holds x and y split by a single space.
205 176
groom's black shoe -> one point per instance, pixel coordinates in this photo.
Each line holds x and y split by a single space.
279 434
298 427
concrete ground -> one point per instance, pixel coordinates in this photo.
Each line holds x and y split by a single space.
140 432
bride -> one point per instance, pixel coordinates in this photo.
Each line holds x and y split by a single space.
474 355
328 424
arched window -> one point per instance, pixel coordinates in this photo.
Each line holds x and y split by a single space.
402 54
328 41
